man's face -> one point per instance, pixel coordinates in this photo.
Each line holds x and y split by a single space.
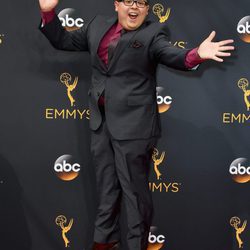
131 17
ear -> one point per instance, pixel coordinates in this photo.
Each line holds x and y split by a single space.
147 9
116 5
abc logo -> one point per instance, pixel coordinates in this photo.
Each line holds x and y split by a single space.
69 20
243 29
66 168
163 101
156 239
239 171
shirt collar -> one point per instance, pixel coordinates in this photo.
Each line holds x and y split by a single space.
118 28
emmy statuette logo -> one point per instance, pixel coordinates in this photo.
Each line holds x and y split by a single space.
157 159
240 118
61 221
243 84
66 78
158 10
71 111
158 182
235 223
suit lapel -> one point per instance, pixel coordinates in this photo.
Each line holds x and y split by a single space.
122 44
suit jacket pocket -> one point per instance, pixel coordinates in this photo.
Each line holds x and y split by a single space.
134 100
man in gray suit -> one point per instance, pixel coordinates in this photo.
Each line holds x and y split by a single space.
125 51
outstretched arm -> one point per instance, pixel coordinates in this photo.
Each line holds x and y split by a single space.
184 59
215 50
161 51
57 35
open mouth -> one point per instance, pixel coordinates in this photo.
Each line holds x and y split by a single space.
133 16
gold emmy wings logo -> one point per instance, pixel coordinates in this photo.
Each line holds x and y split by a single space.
65 79
157 159
235 223
61 221
240 118
158 10
243 84
159 184
72 111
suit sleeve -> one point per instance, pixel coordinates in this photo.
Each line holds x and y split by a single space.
66 40
164 53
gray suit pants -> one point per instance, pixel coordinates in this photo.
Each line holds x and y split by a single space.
122 170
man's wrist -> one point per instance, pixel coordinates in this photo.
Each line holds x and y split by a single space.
47 16
193 58
47 10
198 54
197 57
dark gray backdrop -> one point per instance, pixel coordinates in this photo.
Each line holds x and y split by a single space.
199 146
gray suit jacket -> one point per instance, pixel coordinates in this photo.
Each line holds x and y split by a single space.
130 78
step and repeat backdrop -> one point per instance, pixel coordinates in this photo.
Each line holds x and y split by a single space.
200 171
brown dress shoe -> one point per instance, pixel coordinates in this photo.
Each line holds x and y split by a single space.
106 246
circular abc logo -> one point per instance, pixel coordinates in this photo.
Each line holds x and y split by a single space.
155 241
66 168
164 101
243 29
240 170
70 20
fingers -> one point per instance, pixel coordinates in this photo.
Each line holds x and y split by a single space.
219 48
225 42
217 59
224 48
223 54
211 36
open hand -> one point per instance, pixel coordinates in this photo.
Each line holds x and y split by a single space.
215 50
48 5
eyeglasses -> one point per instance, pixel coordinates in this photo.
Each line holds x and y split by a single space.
139 3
